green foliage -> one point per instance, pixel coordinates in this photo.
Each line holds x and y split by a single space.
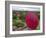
16 19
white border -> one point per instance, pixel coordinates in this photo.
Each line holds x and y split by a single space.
32 6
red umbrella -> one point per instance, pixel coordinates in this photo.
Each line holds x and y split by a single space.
31 20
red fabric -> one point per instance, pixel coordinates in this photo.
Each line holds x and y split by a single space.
31 20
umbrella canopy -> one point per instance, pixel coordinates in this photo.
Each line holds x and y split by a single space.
31 20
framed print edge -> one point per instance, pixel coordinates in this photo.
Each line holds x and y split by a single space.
7 15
